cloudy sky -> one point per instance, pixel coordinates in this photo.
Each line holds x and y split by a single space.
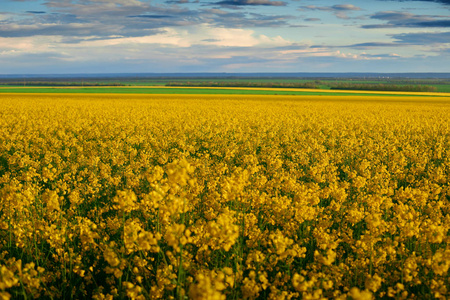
108 36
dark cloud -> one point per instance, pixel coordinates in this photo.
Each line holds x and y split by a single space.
178 1
10 30
371 45
361 46
395 16
339 10
241 19
250 3
339 7
423 38
97 18
445 2
151 16
345 7
405 19
439 23
312 19
132 18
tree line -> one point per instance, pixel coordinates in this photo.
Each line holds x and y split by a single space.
305 85
382 87
311 85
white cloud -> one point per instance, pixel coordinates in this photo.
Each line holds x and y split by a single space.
168 36
190 46
199 35
232 37
28 44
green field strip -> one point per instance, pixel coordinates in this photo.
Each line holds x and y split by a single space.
178 90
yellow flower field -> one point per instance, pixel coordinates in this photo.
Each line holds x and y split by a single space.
224 197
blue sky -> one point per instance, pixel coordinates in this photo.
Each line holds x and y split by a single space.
110 36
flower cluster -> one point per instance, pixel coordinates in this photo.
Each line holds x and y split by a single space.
224 197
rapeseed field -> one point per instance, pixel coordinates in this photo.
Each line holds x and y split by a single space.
224 197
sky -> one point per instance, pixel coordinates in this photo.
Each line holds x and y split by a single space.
232 36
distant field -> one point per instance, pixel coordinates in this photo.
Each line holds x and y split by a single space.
324 84
206 91
160 90
441 85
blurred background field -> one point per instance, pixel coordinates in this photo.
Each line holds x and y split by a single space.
387 82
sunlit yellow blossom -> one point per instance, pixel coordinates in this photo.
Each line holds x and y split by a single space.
357 294
111 257
51 199
373 283
7 278
223 232
207 287
125 201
